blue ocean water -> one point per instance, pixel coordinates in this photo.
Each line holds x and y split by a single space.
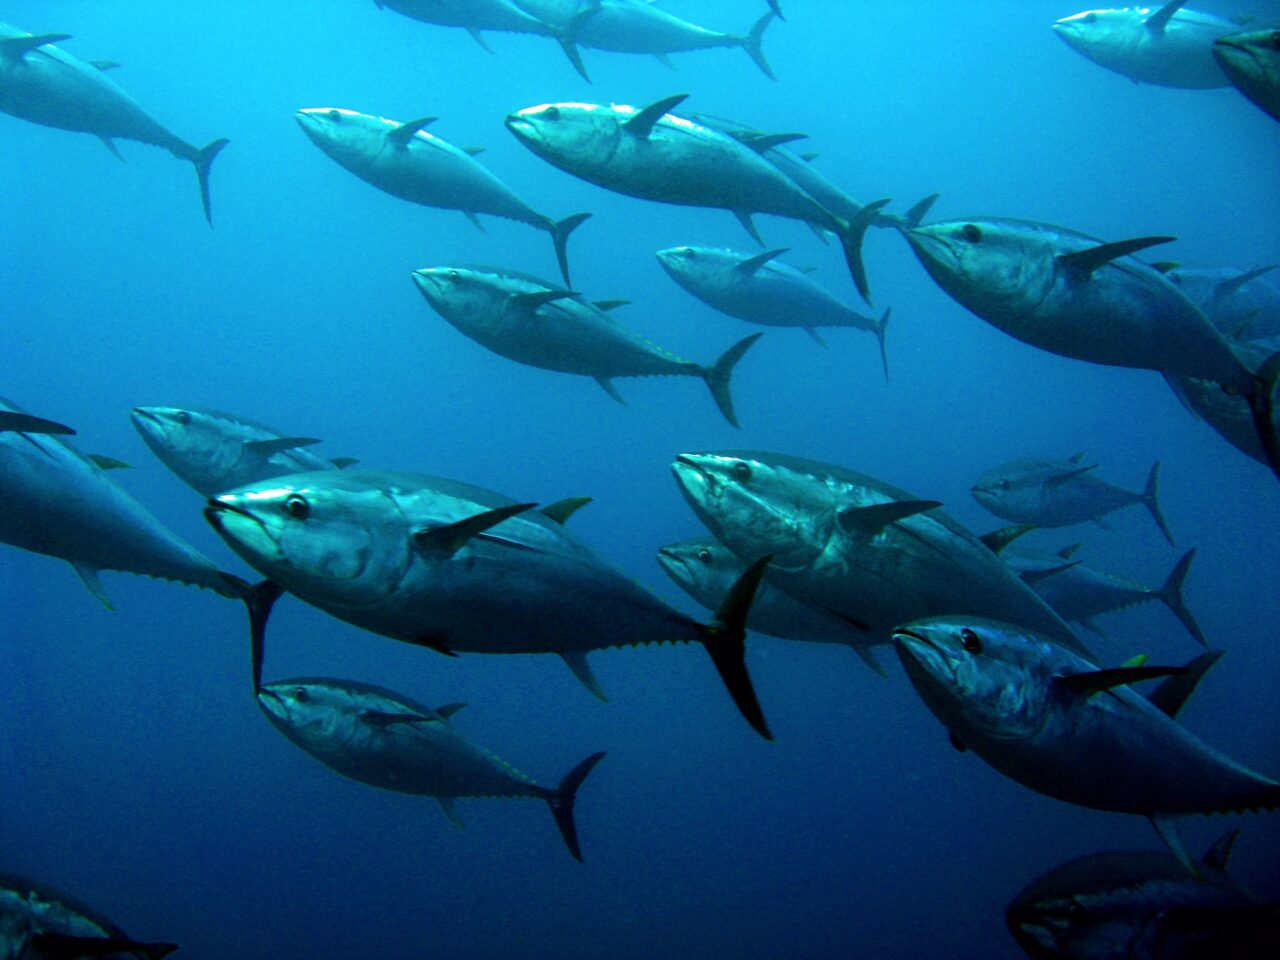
138 772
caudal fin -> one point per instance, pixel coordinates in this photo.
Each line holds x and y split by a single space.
560 230
776 7
752 43
562 798
851 237
1150 500
1261 406
717 376
203 160
725 639
258 599
1171 596
879 331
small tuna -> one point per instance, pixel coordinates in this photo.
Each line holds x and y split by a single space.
1054 722
386 740
40 923
1142 903
653 154
212 451
455 567
540 324
705 569
1251 61
760 289
402 159
1169 46
43 83
1059 493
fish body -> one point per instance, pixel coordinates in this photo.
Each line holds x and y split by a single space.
1169 46
38 922
1142 904
62 504
407 162
453 567
1227 413
853 546
44 84
1052 721
1058 493
1242 304
543 325
472 15
1251 61
212 451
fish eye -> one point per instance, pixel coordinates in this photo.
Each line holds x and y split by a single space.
297 507
1076 910
454 275
741 471
1089 17
1275 40
300 694
551 113
972 233
1004 484
182 417
704 555
970 641
335 116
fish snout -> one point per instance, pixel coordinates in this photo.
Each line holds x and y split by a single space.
520 126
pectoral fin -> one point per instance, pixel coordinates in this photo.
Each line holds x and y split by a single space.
869 521
562 510
401 135
451 537
641 125
752 264
1032 577
1095 681
269 448
449 709
1160 19
1082 263
534 299
1066 476
997 540
381 720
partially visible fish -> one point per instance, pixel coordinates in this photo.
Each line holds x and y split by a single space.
1251 61
1242 304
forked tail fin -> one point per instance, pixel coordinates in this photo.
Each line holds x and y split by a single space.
879 331
725 640
851 237
560 230
753 44
561 802
1171 596
1150 500
717 376
203 160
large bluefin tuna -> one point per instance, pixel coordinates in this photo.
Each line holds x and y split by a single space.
760 289
1128 904
405 161
212 451
40 923
1059 493
1054 722
854 546
531 321
1226 413
653 154
705 569
43 83
1251 61
456 567
1169 46
1075 296
386 740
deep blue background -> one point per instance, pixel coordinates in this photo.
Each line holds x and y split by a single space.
136 771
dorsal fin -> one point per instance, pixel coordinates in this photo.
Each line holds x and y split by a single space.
1076 457
869 521
1228 287
1059 479
1218 854
760 142
18 47
1165 266
562 510
752 264
472 151
809 157
1032 577
997 540
269 448
607 305
1160 19
402 134
1083 263
641 125
1068 551
449 709
104 65
1095 681
104 462
534 299
343 462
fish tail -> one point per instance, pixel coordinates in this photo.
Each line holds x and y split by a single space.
725 639
717 376
1261 405
753 43
561 802
203 160
1150 499
776 7
560 230
879 332
852 234
1171 595
258 599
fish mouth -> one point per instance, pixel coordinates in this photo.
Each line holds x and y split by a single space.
673 564
144 413
521 127
429 285
1029 930
927 245
919 653
272 703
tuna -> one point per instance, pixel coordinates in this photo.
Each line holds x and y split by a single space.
1169 46
540 324
212 451
853 546
385 740
653 154
1056 723
1078 297
1059 493
40 923
474 16
1251 61
1242 304
760 289
1142 903
1227 413
706 569
402 159
455 567
43 83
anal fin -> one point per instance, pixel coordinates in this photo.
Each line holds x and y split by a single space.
89 576
576 660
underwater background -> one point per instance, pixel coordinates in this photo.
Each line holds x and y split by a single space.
136 771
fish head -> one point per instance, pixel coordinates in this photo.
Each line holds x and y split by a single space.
978 675
1012 490
996 268
572 136
1253 56
191 443
304 710
465 296
347 136
703 568
332 537
1106 37
756 507
683 263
